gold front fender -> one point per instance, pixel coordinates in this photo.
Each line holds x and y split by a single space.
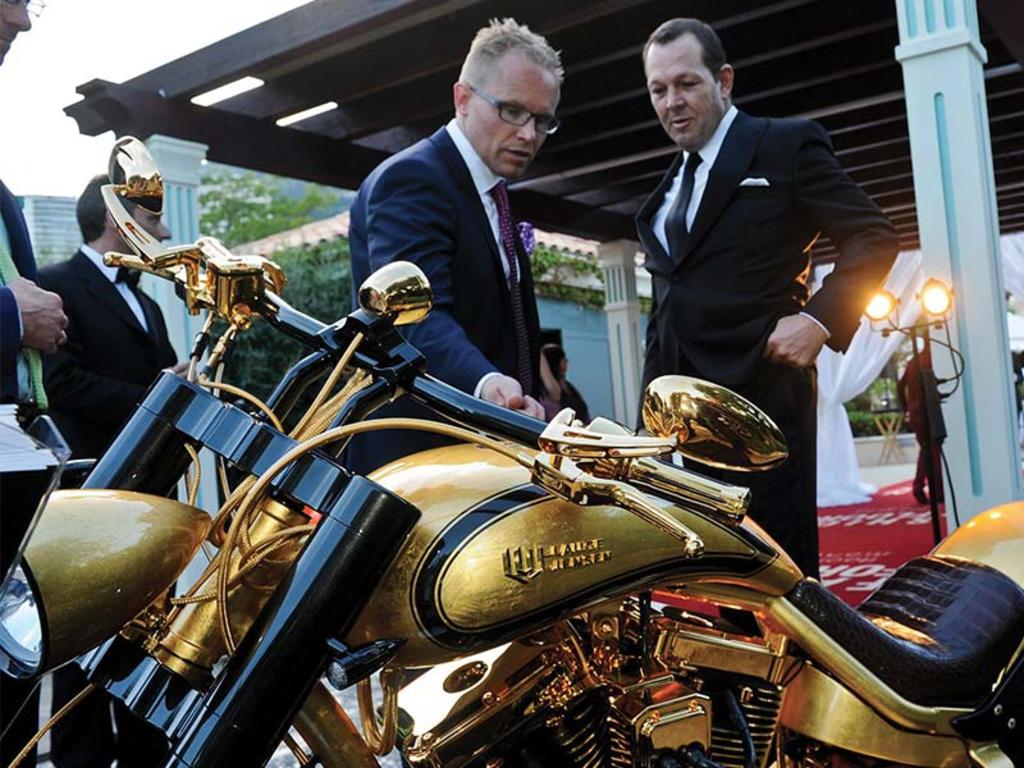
99 557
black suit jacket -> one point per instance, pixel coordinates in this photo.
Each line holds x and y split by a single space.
25 262
95 380
420 205
748 256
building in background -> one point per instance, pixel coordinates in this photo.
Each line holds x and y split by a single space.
52 226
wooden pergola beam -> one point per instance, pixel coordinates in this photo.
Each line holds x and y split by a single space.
232 139
319 28
254 144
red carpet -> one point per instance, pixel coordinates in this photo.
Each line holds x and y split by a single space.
862 544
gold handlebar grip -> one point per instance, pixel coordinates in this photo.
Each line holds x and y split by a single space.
729 501
723 499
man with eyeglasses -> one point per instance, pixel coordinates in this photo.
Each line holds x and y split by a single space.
443 204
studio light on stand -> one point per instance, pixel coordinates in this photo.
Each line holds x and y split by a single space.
936 300
882 305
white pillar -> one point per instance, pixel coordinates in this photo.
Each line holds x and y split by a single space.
180 164
622 309
942 58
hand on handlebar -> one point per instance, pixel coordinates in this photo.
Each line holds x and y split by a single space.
507 392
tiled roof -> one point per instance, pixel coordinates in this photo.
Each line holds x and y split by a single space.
314 233
337 226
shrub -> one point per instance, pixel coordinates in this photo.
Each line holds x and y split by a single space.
319 284
862 423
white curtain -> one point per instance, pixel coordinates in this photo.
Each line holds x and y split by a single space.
842 377
1012 247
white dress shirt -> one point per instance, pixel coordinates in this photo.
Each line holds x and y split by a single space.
484 179
122 288
708 154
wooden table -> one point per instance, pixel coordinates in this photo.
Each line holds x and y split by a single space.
889 423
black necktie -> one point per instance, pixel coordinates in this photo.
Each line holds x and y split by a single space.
129 277
675 223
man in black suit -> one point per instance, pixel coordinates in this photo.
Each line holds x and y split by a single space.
728 234
117 345
443 204
117 339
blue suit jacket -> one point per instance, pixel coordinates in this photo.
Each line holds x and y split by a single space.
420 205
10 326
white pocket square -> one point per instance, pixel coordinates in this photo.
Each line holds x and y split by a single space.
751 181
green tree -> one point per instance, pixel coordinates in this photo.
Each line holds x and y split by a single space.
319 284
239 207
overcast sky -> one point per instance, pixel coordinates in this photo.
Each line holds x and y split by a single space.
75 41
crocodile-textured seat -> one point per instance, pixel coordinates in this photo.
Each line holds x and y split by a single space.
937 632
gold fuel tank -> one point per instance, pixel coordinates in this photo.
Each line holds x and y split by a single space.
495 557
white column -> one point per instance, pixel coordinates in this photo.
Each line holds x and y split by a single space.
180 164
622 309
942 58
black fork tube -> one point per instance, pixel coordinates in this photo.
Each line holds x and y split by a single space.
149 454
243 717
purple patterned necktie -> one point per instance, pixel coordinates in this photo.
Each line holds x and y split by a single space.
499 192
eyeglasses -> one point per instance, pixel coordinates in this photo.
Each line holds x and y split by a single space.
34 7
516 115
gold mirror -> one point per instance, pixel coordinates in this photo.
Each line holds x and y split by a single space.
134 174
399 292
713 424
134 177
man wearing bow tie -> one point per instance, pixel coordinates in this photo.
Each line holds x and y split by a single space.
117 339
443 203
117 345
727 235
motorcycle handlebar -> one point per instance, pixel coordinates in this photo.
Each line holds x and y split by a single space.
725 499
441 398
470 411
291 321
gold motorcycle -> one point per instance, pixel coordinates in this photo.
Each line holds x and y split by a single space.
501 587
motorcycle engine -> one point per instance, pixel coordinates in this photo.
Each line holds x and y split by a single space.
624 685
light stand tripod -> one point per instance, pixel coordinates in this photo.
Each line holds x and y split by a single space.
936 302
932 420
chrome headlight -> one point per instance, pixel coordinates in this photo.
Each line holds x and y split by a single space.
21 626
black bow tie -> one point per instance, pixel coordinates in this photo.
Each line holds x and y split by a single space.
129 277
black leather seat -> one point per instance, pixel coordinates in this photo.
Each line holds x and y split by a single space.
937 632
